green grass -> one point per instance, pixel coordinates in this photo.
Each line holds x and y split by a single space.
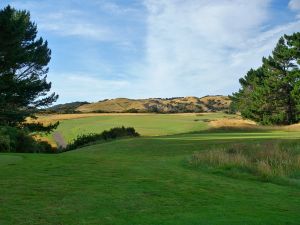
164 125
230 135
146 125
141 181
146 180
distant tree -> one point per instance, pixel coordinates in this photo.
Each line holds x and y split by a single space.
23 68
271 94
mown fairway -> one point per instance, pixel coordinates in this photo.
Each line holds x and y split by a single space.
140 181
145 124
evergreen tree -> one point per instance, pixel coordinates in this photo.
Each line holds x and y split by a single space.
271 94
23 68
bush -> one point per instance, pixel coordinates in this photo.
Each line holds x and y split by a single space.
17 140
4 143
117 132
132 110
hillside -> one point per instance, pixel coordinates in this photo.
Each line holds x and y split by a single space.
159 105
65 108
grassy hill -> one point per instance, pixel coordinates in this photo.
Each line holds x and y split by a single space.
170 105
65 108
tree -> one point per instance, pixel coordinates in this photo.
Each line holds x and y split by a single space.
271 94
23 68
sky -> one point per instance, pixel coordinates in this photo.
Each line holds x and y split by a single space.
103 49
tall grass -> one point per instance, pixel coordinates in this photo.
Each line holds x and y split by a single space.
268 160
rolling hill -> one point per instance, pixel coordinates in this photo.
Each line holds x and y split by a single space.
158 105
65 108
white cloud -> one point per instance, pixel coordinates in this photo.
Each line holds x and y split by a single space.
116 8
85 87
191 47
198 47
294 5
66 22
73 23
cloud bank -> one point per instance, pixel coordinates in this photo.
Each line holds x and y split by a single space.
157 48
198 47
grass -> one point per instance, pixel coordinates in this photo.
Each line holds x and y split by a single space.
149 181
139 181
270 161
125 104
72 125
145 124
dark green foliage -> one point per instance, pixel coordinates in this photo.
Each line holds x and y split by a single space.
39 127
16 140
101 111
233 108
23 68
131 111
113 133
154 108
271 93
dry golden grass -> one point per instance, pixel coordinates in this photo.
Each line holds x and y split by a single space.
114 105
233 123
294 127
52 118
240 123
222 99
125 104
45 139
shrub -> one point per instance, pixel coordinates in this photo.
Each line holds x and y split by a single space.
4 143
117 132
17 140
132 110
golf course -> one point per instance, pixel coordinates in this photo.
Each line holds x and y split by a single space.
149 179
152 112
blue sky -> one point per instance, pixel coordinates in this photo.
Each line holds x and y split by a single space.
156 48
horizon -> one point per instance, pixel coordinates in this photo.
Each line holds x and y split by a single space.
109 99
156 49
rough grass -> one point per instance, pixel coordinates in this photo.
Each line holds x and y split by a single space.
268 160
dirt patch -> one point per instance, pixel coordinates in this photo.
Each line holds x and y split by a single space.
59 140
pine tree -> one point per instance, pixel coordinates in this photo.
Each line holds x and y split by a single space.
23 68
271 94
